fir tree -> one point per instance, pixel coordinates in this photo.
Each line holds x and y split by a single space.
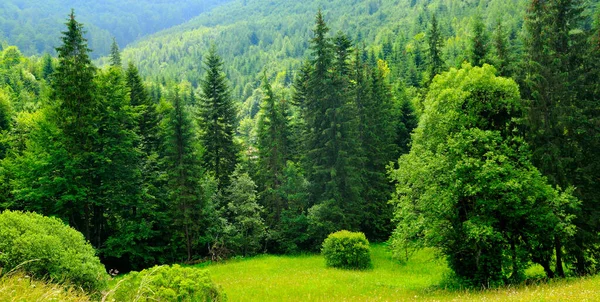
217 119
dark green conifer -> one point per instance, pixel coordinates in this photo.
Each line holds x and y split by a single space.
217 120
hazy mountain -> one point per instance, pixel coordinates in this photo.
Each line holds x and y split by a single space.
35 25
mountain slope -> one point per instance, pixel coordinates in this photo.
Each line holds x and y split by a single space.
256 35
35 25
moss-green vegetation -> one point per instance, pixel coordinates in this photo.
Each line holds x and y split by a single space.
305 278
165 283
44 247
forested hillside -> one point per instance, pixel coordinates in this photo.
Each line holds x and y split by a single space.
465 127
34 26
251 40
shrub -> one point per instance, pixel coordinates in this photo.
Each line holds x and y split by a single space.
167 283
348 250
47 248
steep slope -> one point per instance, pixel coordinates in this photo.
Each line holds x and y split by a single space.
256 35
34 25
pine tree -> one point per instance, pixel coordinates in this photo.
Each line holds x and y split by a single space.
479 42
115 54
217 120
435 43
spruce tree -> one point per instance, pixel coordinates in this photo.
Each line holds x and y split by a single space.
115 54
272 152
559 118
217 120
502 56
332 150
182 161
73 88
435 44
479 44
47 67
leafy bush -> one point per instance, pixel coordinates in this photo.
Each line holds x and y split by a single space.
167 283
47 248
346 249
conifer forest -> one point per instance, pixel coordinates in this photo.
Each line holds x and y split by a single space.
210 150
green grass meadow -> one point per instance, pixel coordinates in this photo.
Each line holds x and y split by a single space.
305 278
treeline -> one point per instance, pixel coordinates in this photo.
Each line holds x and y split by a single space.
35 26
500 172
159 175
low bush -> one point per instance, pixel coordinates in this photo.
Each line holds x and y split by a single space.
166 283
347 250
44 247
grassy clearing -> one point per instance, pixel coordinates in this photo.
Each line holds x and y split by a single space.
305 278
20 288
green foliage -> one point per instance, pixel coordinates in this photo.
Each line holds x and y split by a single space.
167 283
347 250
46 248
468 186
245 228
561 116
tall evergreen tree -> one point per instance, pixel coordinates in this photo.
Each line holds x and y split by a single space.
115 54
502 55
182 161
479 47
272 152
73 86
435 43
378 138
333 151
217 120
560 117
48 67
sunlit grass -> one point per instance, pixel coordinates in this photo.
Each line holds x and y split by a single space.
20 288
305 278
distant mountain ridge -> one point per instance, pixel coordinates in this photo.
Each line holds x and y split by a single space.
35 25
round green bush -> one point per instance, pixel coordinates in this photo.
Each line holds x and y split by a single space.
45 247
167 283
346 249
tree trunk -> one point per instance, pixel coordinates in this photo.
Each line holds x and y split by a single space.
559 263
